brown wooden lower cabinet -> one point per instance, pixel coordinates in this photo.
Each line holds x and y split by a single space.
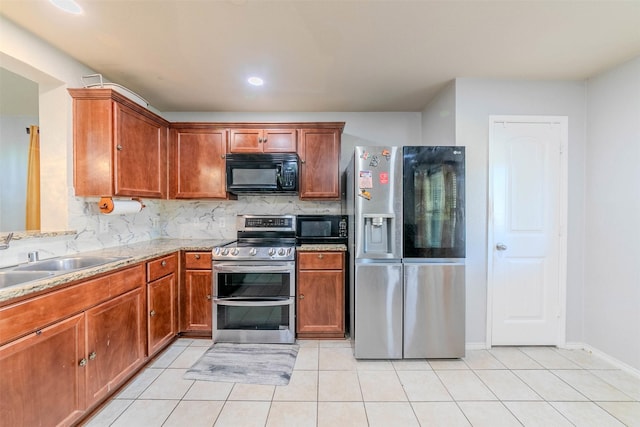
52 373
115 343
41 380
320 295
162 308
196 294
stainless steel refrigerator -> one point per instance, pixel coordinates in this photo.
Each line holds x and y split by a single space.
406 212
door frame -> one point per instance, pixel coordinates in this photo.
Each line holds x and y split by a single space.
560 340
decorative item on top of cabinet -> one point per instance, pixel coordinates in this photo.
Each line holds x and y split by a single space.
162 307
195 294
119 147
320 295
262 140
197 161
319 152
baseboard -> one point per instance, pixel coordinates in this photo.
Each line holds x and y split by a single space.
476 346
604 356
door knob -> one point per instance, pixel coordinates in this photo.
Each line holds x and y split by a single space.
501 247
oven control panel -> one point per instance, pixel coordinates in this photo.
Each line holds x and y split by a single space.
266 223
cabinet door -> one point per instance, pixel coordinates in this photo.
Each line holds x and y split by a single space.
279 141
140 154
245 141
320 302
161 312
197 165
41 382
115 342
319 151
198 289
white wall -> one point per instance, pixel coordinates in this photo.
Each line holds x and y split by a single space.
612 206
439 118
476 100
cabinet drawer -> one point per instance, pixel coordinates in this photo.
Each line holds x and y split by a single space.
320 260
197 260
161 267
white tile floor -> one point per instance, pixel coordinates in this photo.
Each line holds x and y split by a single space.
530 386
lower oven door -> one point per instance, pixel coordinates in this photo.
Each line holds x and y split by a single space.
254 302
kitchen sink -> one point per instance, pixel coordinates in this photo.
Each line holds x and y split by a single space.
12 278
66 263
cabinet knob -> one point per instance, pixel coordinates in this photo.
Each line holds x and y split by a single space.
301 296
209 297
320 256
197 256
152 313
92 355
302 161
264 140
82 363
501 247
119 147
222 156
164 263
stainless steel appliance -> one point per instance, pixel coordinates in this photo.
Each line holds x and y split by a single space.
407 251
254 282
262 173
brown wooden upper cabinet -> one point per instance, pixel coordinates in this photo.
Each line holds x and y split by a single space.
262 141
120 148
319 152
197 161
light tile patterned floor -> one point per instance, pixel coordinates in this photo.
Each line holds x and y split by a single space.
530 386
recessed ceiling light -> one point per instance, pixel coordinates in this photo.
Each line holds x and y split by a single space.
69 6
255 81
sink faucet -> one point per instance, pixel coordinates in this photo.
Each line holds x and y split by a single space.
5 243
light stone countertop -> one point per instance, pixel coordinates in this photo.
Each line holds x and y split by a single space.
131 254
322 247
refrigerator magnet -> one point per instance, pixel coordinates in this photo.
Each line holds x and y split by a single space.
386 154
365 194
383 177
365 179
374 161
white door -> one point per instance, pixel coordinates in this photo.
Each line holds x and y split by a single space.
527 215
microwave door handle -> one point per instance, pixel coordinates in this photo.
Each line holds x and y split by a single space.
253 303
279 175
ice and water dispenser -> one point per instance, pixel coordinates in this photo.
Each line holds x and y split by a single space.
378 234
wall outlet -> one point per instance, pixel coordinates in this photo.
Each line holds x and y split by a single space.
104 225
155 222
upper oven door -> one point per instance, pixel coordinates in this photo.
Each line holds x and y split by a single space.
254 279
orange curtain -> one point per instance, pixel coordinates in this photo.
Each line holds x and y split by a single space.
33 180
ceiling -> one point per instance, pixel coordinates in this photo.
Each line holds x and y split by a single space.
341 55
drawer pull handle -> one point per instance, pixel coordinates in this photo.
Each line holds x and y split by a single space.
82 363
197 256
209 297
152 313
163 263
302 296
320 256
92 355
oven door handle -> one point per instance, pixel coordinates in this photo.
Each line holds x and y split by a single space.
252 302
235 268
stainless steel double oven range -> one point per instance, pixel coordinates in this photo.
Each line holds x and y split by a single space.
254 282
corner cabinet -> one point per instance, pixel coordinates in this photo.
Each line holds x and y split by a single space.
320 294
197 161
120 148
196 292
319 152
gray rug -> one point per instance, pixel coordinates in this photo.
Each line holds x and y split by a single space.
246 363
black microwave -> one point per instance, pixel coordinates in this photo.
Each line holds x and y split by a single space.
321 229
262 173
